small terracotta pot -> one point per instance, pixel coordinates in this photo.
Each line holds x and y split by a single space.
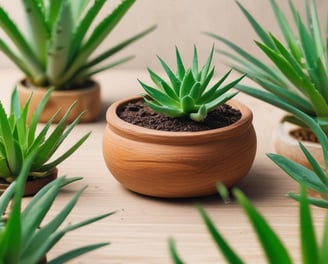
287 146
33 186
88 100
43 260
178 164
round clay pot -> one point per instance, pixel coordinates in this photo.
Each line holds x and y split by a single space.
33 186
88 100
287 146
43 260
178 164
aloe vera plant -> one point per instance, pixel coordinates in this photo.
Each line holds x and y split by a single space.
295 82
18 139
24 236
297 69
57 48
186 93
274 250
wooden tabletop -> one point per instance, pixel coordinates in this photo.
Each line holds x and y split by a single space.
140 229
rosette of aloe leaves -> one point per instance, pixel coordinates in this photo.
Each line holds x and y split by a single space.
296 81
296 69
58 46
187 92
24 236
18 139
274 250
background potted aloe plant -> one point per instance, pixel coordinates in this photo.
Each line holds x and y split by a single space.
297 74
180 163
57 52
24 237
275 251
18 139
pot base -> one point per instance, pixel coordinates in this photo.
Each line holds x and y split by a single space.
33 186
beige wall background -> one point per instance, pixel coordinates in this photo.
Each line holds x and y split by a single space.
181 23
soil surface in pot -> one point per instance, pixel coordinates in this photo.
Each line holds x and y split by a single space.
138 113
304 135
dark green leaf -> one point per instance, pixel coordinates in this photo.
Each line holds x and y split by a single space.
310 250
274 249
299 173
175 257
226 250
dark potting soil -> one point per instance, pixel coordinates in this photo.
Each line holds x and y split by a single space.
138 113
304 135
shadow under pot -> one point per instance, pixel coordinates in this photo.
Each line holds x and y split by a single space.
33 185
178 164
88 100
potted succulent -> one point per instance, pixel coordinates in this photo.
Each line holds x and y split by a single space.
274 250
181 163
24 236
57 53
18 139
296 75
313 175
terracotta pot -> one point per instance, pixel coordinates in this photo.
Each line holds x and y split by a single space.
33 186
43 260
178 164
88 100
288 146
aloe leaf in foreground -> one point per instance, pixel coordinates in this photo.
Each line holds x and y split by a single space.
273 247
226 250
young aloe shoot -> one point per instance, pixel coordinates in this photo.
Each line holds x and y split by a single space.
186 93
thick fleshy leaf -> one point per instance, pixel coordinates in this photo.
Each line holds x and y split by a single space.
100 32
166 110
173 79
181 70
58 48
174 254
69 255
200 115
324 245
38 28
194 66
273 247
158 96
310 252
220 242
299 173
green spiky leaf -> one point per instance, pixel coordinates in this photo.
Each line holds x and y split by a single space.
186 93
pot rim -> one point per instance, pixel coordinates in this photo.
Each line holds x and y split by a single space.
130 130
94 85
282 131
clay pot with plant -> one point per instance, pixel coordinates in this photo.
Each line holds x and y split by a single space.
188 150
19 138
28 234
296 75
58 52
